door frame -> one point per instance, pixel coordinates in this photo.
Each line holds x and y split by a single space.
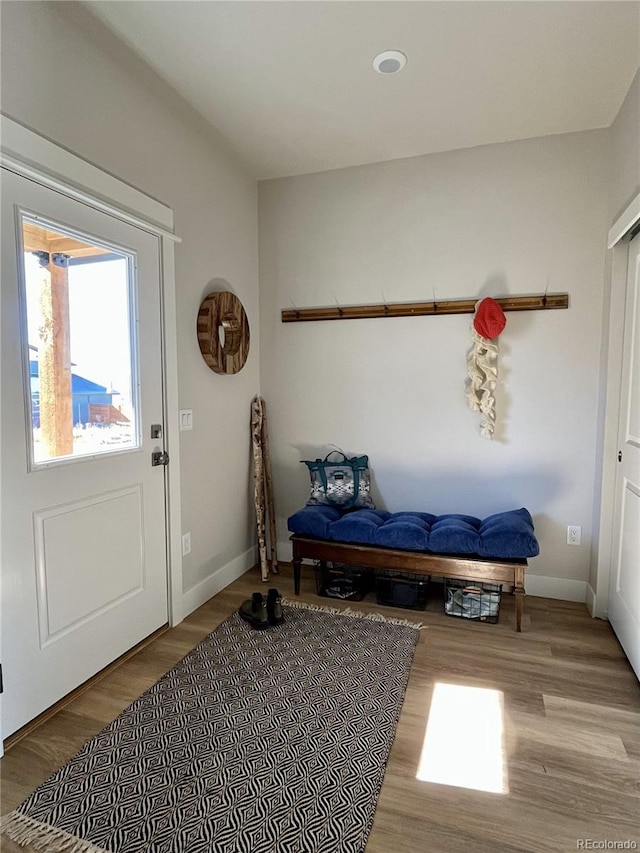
32 156
617 265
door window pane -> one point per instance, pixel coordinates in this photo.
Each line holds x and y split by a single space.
81 349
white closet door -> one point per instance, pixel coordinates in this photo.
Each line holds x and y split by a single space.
624 592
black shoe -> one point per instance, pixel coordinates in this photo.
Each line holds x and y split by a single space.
254 611
274 607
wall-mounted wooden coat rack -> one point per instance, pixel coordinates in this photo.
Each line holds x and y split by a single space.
542 302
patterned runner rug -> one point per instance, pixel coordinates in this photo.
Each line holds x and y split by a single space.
257 741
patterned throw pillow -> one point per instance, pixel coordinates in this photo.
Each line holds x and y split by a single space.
343 483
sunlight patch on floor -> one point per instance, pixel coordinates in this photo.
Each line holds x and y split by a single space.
464 741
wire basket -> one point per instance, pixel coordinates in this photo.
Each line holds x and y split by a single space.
472 600
396 589
334 580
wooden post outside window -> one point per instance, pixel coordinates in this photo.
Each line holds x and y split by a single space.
54 356
54 250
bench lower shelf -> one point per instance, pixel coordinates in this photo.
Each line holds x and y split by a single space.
509 572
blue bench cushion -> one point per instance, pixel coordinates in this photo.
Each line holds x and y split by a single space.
504 536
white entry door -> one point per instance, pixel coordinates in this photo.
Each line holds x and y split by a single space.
84 557
624 592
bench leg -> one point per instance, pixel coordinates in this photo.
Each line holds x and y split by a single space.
297 561
518 591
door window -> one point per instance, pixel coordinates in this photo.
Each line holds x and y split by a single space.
80 349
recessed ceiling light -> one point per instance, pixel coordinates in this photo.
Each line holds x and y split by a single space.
389 62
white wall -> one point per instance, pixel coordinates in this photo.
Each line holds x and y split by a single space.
624 173
498 220
64 76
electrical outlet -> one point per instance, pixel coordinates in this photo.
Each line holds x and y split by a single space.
574 535
186 544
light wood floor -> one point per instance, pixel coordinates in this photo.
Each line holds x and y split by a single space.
572 708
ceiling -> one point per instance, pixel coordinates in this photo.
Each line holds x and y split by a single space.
289 84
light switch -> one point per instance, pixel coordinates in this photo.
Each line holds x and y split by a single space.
185 419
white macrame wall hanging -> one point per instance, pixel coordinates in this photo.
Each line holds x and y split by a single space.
482 362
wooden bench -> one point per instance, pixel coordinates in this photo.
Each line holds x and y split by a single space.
509 572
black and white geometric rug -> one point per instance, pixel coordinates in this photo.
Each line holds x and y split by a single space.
270 741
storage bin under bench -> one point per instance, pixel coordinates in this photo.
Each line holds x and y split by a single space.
494 550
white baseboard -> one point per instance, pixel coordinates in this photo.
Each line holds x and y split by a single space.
285 551
597 604
218 580
561 588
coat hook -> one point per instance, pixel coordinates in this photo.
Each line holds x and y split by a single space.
295 308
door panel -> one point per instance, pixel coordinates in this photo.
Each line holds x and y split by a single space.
84 568
624 593
628 576
67 593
